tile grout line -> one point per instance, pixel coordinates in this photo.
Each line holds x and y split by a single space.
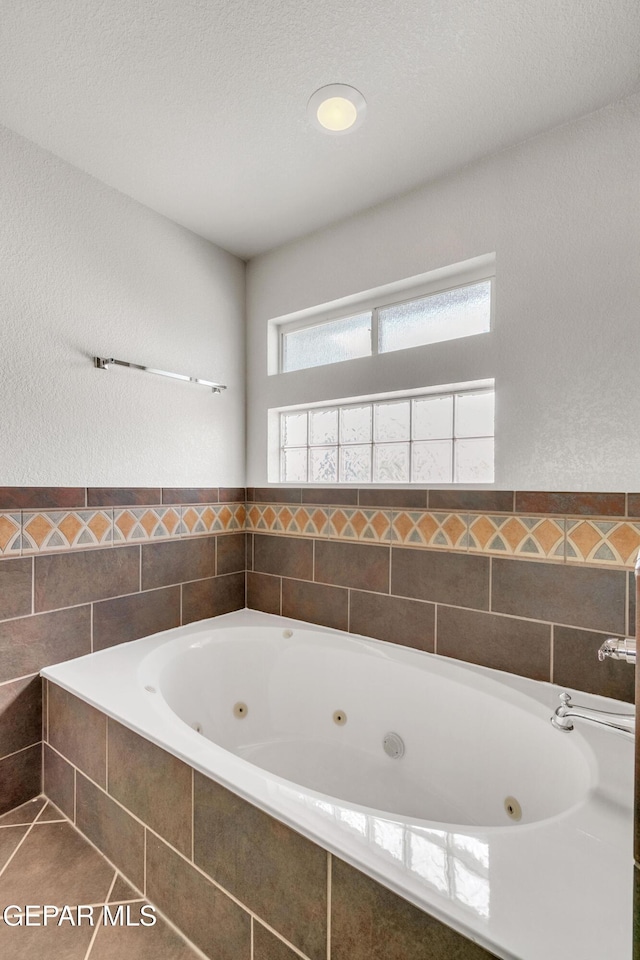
552 644
26 834
33 584
435 627
99 924
251 948
15 753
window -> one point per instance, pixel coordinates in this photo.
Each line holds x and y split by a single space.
461 311
417 438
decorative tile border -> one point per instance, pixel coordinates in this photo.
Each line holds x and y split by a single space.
146 523
436 531
539 538
603 541
372 526
66 530
10 534
23 533
559 539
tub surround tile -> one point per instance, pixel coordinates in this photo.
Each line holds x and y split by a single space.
249 550
20 777
146 523
79 732
502 643
58 780
408 622
138 615
122 891
81 874
66 530
177 561
190 495
633 504
284 556
263 592
358 565
274 494
452 578
65 579
336 496
372 526
276 872
123 496
541 538
233 495
633 627
31 643
25 814
603 541
482 501
409 499
316 603
41 498
114 832
212 597
231 554
565 594
153 784
435 531
369 922
580 504
20 714
268 947
211 920
576 665
10 534
15 588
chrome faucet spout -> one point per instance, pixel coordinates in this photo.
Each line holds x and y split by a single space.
567 712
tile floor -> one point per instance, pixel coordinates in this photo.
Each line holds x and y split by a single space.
44 860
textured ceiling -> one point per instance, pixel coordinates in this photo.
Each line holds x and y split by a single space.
197 108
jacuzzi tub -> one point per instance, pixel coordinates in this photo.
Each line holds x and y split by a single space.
442 780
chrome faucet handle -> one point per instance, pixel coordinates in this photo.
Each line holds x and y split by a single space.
565 698
615 649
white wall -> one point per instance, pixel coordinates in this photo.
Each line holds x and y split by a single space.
562 213
84 271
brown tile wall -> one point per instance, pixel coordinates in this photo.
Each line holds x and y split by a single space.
70 595
227 874
529 582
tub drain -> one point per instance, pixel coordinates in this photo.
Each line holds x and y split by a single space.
513 808
240 710
393 745
339 717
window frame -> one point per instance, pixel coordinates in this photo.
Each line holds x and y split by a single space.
395 295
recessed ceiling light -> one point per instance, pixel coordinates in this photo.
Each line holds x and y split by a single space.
337 108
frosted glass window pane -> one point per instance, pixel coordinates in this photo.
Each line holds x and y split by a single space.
323 426
392 420
327 343
323 462
355 424
391 462
432 461
474 415
474 461
294 429
433 418
355 464
294 465
442 316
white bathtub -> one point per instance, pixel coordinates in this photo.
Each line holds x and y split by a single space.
294 717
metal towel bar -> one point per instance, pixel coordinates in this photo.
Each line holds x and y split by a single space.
103 363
